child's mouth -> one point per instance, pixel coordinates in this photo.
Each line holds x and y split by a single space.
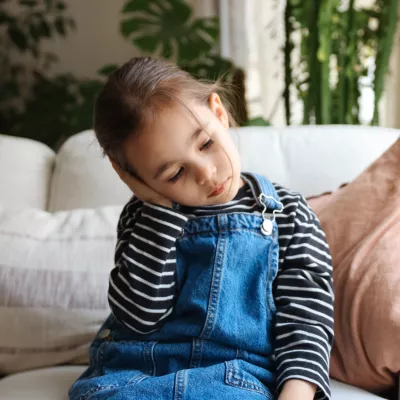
219 189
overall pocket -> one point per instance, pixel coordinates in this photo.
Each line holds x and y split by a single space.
246 376
120 350
127 356
115 362
113 365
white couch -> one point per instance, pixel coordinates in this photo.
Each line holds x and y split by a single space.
312 160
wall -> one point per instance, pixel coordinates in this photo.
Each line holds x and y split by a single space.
97 40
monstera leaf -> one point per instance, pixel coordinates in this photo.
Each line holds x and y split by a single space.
210 67
215 68
166 27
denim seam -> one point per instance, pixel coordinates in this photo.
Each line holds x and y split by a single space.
148 357
255 231
242 354
234 380
200 217
114 340
271 270
100 357
89 394
253 189
136 379
268 283
197 349
215 284
180 380
153 359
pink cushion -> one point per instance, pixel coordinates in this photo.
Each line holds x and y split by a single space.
362 224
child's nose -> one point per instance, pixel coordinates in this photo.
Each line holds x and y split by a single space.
205 173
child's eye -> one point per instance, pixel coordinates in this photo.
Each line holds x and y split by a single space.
177 176
207 145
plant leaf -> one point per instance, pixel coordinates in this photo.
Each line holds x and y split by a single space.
169 24
107 69
258 121
129 26
34 32
71 23
60 26
208 25
18 37
6 18
138 6
44 28
146 43
28 3
167 50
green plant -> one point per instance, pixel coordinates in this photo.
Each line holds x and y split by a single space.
336 43
56 108
168 29
22 29
34 103
385 33
37 104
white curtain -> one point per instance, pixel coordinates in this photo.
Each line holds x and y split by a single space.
252 35
390 104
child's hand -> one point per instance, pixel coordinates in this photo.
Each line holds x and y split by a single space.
295 389
142 191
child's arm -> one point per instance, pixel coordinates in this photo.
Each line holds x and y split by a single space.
142 284
304 302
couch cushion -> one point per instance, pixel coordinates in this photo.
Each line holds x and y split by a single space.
362 225
42 384
83 178
25 172
53 283
312 159
53 384
300 158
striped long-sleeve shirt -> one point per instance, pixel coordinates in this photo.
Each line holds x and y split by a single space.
142 284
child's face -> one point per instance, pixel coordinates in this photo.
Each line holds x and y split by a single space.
183 162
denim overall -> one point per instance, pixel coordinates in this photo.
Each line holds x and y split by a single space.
218 343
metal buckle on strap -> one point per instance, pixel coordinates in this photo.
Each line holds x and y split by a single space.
267 226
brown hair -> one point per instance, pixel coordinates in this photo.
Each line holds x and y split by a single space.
134 95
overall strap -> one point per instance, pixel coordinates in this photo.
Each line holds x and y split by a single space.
266 196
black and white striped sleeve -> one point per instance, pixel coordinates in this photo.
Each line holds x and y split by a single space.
304 297
142 284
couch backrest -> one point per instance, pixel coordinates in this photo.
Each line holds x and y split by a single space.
311 159
25 172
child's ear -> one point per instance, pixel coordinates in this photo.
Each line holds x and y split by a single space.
218 109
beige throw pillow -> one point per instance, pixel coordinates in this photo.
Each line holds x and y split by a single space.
362 224
53 284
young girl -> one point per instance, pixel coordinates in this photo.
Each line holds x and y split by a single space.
222 286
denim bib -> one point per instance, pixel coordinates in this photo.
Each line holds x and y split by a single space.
218 342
